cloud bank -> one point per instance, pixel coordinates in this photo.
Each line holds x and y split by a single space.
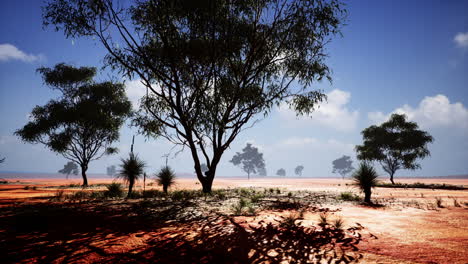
9 52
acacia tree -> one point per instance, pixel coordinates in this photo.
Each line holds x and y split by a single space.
69 168
396 144
209 66
298 170
251 160
343 166
281 172
84 121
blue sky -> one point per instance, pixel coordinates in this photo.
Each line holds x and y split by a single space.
403 56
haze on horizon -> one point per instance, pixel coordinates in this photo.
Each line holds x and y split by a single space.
398 56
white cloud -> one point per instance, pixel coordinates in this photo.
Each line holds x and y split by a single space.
313 143
332 113
10 52
435 111
461 39
135 91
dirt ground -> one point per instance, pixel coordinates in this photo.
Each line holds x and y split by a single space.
408 228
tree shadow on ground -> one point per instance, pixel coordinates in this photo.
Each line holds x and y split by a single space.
99 233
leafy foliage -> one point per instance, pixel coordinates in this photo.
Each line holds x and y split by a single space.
114 190
69 168
396 144
365 177
131 169
251 160
281 172
298 170
166 177
343 166
84 121
209 66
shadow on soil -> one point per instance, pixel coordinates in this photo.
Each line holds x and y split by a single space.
119 232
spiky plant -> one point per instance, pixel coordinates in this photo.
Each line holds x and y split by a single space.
165 177
365 177
131 170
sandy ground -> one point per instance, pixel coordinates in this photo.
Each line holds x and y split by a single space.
405 233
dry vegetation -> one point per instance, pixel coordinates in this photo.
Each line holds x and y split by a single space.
318 220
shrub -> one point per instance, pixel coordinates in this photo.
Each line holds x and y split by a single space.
290 220
153 194
114 190
243 207
79 196
184 195
439 202
165 177
365 177
26 187
131 169
58 196
323 220
349 196
97 195
338 223
256 197
219 194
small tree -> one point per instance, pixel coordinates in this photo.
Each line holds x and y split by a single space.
69 168
165 177
298 170
210 67
132 168
343 166
396 144
84 121
250 159
111 170
365 177
281 172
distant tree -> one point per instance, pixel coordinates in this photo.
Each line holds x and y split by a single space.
210 67
298 170
165 177
69 168
365 177
131 169
2 160
262 171
396 144
111 170
84 121
281 172
343 166
250 159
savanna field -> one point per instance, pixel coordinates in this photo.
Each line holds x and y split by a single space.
267 220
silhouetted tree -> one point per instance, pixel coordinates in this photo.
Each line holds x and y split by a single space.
69 168
281 172
343 166
84 121
250 159
131 169
111 170
165 177
396 144
365 177
262 171
298 170
209 66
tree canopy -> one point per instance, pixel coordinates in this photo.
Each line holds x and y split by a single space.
211 66
396 144
298 170
281 172
69 168
84 121
343 166
250 159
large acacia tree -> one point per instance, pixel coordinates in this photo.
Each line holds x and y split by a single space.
210 66
396 144
84 121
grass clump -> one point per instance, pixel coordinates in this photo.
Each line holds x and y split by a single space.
165 178
59 196
349 196
114 190
290 220
439 202
184 195
365 177
323 220
421 185
338 223
243 207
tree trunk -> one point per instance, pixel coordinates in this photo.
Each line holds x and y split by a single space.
367 195
130 187
248 175
84 168
391 177
165 188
